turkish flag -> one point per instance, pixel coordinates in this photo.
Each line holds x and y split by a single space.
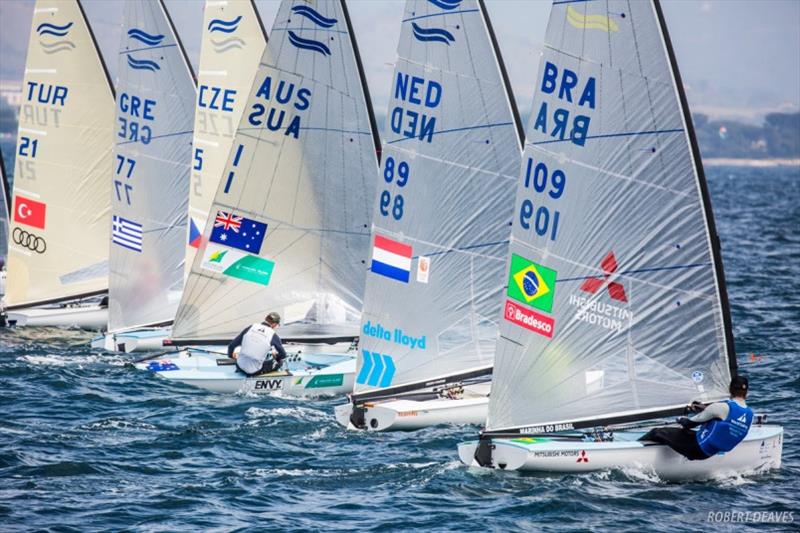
29 212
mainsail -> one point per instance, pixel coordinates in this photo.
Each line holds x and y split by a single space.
150 193
59 228
444 205
288 228
616 307
232 45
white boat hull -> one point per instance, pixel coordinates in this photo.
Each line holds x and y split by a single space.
407 415
201 368
140 340
81 316
760 451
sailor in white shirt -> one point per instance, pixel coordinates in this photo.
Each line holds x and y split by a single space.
261 348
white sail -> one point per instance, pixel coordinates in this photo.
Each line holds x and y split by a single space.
59 227
4 211
232 45
616 307
444 203
288 229
151 169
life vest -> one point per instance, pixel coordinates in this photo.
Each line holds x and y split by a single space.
256 346
719 436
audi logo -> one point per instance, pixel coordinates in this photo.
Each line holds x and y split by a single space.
29 240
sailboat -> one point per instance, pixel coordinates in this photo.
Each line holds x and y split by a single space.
173 199
288 230
440 227
58 254
616 312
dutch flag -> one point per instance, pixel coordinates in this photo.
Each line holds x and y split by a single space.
391 259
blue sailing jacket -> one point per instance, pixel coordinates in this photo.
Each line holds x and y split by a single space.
718 436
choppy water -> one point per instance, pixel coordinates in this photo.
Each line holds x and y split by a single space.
86 443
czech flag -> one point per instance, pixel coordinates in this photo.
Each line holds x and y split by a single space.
195 236
391 259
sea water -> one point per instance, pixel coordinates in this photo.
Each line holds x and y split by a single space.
87 443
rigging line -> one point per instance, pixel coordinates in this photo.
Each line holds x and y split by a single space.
470 247
609 135
440 14
315 29
159 136
419 155
125 52
466 128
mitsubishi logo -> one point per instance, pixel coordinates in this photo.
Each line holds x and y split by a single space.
583 457
615 290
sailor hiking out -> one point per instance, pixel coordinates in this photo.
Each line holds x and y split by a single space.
261 348
722 426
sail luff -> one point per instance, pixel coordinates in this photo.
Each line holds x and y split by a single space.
713 236
100 57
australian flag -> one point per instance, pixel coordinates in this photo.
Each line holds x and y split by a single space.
238 232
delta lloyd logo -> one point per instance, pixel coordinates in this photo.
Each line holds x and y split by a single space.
150 41
397 336
221 31
52 37
317 19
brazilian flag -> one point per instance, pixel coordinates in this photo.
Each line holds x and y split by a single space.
531 284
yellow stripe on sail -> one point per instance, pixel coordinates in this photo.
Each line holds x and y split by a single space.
590 22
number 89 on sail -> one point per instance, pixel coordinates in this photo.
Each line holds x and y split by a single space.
543 182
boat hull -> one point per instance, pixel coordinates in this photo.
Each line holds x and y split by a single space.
760 451
139 340
216 373
80 316
409 415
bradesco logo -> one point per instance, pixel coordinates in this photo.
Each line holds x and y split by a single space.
531 320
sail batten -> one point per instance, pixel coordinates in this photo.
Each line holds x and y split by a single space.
287 229
615 308
58 236
441 224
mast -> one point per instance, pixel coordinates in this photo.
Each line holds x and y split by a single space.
697 161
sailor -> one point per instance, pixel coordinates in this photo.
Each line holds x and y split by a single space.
261 348
722 425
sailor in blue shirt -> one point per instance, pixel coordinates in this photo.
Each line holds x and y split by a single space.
722 426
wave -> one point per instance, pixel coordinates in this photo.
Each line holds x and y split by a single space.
432 34
228 44
225 26
57 46
47 28
314 16
308 44
143 64
144 37
446 4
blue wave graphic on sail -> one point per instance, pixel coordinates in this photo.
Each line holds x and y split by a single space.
224 26
144 37
308 44
432 34
446 4
57 46
228 44
47 28
315 16
143 64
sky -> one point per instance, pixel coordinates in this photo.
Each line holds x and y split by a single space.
739 59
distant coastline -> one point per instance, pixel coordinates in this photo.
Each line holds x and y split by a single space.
750 162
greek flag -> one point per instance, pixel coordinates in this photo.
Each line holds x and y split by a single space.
126 233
